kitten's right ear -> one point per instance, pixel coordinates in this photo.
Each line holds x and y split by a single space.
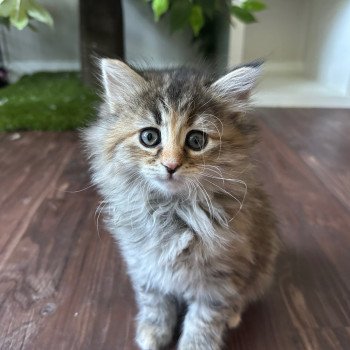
120 82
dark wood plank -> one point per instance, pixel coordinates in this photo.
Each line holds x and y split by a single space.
321 139
24 189
63 285
306 198
311 291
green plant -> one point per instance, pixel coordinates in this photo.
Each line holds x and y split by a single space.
203 15
21 13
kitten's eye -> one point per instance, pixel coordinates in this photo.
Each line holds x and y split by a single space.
196 140
150 137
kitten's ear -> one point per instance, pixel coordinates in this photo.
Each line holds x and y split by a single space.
237 85
120 82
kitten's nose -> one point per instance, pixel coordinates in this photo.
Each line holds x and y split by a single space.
171 167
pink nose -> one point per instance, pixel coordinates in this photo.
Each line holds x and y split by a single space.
171 167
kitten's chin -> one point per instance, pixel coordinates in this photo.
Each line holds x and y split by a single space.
170 186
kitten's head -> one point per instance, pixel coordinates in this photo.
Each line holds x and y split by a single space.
173 129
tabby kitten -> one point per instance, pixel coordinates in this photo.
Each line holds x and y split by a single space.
170 155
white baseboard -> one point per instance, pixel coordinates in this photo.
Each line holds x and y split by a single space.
19 68
279 89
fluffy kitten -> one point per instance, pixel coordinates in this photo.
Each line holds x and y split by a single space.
170 155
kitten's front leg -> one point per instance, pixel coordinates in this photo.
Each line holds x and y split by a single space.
204 327
156 319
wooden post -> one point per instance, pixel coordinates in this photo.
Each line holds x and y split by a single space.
101 35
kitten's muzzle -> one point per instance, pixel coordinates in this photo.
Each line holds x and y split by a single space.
171 167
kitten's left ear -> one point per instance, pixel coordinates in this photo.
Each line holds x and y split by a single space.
237 84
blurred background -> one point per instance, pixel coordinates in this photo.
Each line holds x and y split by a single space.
63 284
304 43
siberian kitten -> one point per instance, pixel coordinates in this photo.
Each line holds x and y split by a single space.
170 155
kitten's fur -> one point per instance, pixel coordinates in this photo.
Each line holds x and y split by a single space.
206 238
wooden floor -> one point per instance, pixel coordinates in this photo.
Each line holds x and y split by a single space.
63 284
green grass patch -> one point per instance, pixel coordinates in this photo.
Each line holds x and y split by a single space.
46 101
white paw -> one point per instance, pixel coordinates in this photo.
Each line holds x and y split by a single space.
234 321
195 346
187 346
150 337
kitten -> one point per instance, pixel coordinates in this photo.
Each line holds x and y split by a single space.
170 155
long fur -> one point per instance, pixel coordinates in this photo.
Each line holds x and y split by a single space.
209 241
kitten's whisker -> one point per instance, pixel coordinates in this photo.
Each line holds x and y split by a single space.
214 166
241 182
217 129
83 189
228 179
228 193
197 185
207 198
231 171
100 209
213 170
218 119
244 195
210 167
188 184
210 99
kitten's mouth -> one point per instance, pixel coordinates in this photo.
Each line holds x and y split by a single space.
168 178
169 183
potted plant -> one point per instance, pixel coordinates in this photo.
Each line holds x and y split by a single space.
204 16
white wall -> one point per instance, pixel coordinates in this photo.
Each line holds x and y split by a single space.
310 37
58 48
307 48
279 36
47 49
328 49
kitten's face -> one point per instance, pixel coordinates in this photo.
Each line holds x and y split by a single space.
170 150
170 131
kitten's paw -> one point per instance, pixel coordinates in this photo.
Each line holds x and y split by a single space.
188 346
234 321
152 337
197 346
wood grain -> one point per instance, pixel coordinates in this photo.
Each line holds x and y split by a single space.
63 283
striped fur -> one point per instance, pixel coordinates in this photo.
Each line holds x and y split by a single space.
206 238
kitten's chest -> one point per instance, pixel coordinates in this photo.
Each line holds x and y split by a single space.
175 264
171 247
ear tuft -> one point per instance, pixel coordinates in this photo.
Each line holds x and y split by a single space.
120 82
238 84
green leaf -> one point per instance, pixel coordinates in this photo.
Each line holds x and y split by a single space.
196 19
180 13
159 7
7 7
18 17
37 12
253 5
242 14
